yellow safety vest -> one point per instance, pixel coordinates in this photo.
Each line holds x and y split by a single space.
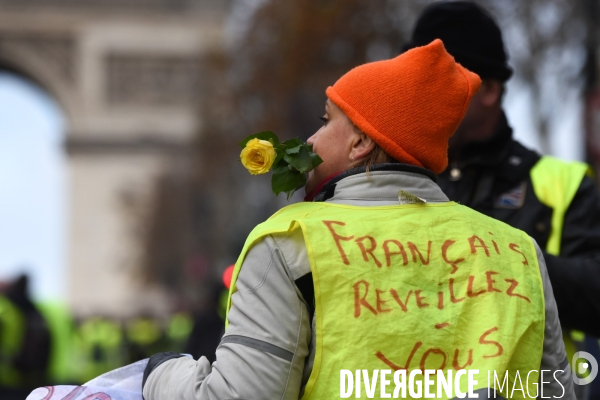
99 348
12 332
416 286
555 183
179 330
61 326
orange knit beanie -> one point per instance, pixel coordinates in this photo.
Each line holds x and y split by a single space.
409 105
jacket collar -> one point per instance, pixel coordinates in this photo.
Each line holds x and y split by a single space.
382 182
501 160
490 151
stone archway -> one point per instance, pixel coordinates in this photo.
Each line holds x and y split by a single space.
128 75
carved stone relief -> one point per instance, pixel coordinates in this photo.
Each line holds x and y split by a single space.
54 51
147 80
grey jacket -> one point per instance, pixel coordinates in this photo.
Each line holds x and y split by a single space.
267 351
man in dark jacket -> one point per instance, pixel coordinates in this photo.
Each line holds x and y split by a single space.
553 201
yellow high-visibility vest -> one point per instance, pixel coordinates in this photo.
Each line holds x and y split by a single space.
12 332
13 325
179 330
99 347
555 183
62 330
416 286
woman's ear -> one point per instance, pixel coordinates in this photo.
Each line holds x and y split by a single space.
362 145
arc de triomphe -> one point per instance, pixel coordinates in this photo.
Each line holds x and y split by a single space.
127 75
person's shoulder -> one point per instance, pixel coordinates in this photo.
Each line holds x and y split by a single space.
471 215
548 170
297 210
519 148
521 158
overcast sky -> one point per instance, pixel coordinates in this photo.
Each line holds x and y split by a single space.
33 187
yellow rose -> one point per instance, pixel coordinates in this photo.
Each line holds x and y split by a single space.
258 156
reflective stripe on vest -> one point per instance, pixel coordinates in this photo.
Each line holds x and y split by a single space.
555 183
439 287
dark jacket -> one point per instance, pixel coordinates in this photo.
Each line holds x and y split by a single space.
494 178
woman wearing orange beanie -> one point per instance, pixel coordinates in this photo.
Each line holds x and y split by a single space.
378 277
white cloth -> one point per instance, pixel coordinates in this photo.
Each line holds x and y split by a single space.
123 383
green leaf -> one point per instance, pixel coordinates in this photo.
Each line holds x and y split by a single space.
280 152
291 143
300 185
302 181
302 161
267 135
316 160
286 180
294 150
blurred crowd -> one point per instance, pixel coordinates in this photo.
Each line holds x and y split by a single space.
42 344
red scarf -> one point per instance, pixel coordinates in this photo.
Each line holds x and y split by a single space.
310 196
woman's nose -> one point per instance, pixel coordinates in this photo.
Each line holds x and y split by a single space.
311 140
